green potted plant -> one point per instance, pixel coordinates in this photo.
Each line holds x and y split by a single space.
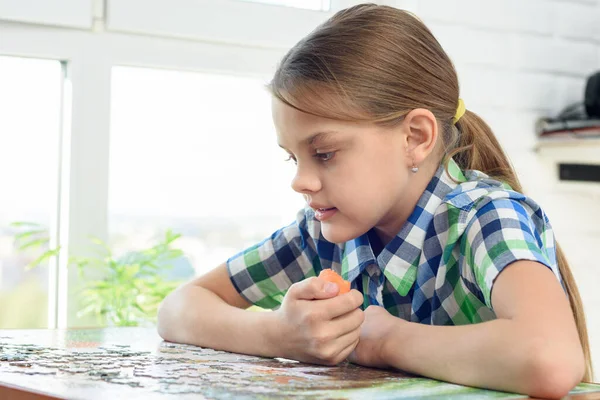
119 290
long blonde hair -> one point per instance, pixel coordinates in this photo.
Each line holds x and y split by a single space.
376 63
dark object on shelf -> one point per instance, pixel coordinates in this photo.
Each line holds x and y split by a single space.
579 172
581 116
578 119
592 96
589 108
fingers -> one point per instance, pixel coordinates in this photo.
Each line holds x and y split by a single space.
348 322
313 289
344 345
338 339
346 340
344 354
341 305
326 326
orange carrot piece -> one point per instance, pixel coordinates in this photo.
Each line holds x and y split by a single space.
331 276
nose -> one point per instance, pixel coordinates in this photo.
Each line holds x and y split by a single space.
306 180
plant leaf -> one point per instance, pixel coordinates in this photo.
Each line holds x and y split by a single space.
34 243
43 258
26 234
103 244
21 224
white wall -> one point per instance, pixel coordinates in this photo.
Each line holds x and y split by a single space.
517 60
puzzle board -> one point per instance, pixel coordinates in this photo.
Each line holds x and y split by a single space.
135 363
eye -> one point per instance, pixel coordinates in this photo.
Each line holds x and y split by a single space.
291 158
325 156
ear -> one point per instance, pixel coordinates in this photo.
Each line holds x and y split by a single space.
421 129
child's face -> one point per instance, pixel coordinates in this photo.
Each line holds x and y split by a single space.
360 170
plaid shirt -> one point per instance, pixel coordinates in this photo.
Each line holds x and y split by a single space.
439 269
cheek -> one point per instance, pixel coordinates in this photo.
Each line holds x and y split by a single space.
369 180
381 184
368 193
384 173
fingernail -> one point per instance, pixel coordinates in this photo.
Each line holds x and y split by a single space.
331 287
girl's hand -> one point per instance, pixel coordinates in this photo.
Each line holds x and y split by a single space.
315 325
373 335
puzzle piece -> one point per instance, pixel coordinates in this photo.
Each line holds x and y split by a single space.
177 371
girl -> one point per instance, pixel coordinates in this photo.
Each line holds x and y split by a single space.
455 273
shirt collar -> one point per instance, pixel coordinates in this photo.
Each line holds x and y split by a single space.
399 259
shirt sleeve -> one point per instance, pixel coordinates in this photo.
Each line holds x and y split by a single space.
503 231
263 273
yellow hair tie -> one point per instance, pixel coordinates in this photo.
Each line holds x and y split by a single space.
460 111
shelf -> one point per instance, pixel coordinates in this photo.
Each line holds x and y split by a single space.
593 142
550 152
581 150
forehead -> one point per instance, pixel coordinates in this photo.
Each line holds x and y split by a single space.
285 116
295 127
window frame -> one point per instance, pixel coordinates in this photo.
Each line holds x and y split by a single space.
56 274
224 21
67 13
83 210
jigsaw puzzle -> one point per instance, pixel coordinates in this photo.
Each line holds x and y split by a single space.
99 369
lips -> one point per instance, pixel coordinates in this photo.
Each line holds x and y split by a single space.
318 207
323 214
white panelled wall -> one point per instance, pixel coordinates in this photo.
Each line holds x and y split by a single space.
517 60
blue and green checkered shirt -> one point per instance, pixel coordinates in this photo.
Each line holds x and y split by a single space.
439 269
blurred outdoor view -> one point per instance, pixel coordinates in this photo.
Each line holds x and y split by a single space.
191 152
196 153
29 131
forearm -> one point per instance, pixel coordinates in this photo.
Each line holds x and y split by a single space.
498 354
195 315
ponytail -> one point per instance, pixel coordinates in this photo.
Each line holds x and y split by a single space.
478 149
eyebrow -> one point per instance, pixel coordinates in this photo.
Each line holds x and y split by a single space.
317 138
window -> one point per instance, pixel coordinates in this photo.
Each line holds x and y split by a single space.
321 5
30 104
195 153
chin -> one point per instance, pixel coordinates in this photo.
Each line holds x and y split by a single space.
337 234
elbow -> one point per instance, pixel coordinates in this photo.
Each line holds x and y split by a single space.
554 373
164 319
161 324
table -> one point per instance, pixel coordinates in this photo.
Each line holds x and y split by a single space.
135 363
